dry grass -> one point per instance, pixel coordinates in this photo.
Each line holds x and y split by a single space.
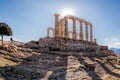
6 62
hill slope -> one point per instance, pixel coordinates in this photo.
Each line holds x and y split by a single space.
31 64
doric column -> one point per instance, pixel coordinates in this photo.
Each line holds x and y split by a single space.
81 30
56 25
91 34
74 29
66 28
60 29
63 28
86 29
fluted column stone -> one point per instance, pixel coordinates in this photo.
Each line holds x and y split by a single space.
91 33
86 30
66 28
53 32
56 25
59 29
74 29
81 30
63 28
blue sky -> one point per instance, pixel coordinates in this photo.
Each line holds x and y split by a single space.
29 19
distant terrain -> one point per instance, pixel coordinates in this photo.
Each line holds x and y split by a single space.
117 51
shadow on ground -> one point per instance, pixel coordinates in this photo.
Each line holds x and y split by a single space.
51 67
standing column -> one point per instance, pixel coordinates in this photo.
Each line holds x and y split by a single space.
63 27
86 29
66 28
81 31
48 32
59 29
53 32
74 29
56 25
91 35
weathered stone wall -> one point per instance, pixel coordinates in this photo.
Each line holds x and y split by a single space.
69 45
103 47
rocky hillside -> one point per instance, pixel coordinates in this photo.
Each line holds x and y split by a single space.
24 62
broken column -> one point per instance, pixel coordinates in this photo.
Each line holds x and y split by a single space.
86 30
56 25
48 32
81 31
95 41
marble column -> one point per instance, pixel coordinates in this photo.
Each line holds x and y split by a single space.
66 28
91 34
74 29
86 30
48 32
53 32
60 29
81 30
56 25
63 27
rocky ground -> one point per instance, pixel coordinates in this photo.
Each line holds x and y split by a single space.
26 63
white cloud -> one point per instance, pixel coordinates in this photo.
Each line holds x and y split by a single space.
113 42
115 39
106 39
114 45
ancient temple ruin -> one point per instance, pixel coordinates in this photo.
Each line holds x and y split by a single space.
81 43
61 28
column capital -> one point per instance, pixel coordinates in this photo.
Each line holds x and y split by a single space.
56 14
62 19
73 19
80 21
86 23
90 25
66 17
